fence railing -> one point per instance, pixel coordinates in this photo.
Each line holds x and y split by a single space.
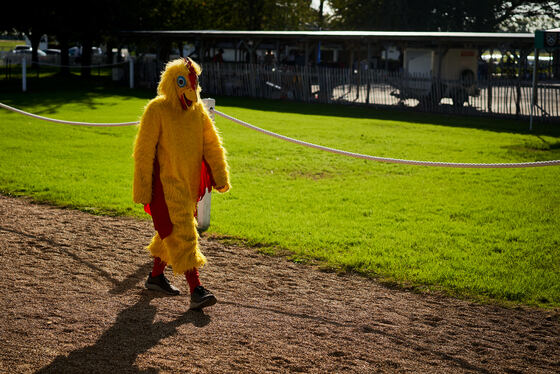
8 58
15 66
489 96
503 97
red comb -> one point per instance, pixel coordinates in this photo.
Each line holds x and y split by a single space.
193 78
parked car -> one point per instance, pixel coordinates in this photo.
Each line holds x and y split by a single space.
77 51
26 49
52 51
22 49
432 75
74 51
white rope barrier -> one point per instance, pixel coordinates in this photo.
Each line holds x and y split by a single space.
387 159
66 122
316 146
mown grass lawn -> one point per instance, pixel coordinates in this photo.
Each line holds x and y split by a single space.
483 233
9 44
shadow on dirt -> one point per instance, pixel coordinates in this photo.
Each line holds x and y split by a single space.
419 345
119 287
131 280
133 333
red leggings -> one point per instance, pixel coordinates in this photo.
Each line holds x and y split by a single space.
191 275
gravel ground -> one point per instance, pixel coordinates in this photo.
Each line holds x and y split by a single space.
73 301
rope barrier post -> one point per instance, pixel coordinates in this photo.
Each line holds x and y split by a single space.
210 105
204 205
24 74
131 72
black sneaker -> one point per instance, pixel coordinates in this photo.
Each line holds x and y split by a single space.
201 298
160 283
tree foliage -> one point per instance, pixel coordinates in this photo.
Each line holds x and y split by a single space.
100 21
238 15
434 15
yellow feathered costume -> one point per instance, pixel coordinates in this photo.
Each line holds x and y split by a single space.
175 137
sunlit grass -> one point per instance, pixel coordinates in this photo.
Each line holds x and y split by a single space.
484 233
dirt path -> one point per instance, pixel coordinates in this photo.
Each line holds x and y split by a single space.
73 301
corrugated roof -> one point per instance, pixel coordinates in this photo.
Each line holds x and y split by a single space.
410 38
393 35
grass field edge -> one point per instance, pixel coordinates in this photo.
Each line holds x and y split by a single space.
275 250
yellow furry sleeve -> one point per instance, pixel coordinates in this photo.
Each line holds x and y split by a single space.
214 153
144 153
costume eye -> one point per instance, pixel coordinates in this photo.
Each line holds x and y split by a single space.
181 81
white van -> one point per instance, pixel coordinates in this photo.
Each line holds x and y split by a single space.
431 76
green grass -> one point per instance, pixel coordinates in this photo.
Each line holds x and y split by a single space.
13 73
481 233
9 44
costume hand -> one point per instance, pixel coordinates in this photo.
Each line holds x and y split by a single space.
142 201
223 188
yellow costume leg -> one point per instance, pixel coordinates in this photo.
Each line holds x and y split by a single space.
182 245
157 249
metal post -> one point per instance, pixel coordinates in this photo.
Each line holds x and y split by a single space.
489 97
204 205
24 74
131 71
277 59
210 104
367 71
533 96
520 63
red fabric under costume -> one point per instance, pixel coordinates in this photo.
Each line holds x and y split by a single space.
206 180
157 208
193 279
159 267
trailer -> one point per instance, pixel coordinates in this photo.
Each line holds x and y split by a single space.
432 74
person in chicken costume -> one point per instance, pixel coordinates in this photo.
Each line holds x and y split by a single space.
177 155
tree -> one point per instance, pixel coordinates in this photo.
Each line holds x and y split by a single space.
241 15
433 15
531 17
31 21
